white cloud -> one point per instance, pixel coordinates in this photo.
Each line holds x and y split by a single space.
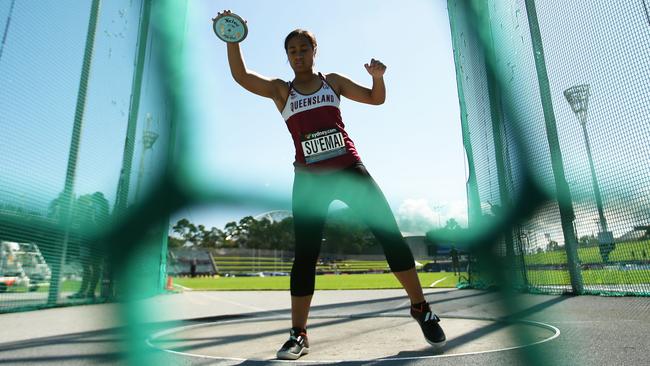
418 215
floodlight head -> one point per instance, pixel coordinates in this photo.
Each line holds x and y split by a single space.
149 138
578 98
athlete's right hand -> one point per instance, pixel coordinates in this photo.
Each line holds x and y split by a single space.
226 12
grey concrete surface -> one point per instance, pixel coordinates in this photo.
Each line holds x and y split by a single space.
354 327
387 336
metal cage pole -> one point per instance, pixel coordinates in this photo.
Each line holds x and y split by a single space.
567 215
473 201
497 119
4 35
73 156
136 88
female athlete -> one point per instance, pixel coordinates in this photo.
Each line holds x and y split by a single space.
328 168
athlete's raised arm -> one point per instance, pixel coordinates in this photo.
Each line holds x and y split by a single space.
358 93
250 80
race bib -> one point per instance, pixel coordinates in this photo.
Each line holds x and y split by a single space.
322 145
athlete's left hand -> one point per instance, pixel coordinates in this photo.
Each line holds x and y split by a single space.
376 69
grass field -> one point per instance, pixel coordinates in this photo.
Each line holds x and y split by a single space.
259 264
324 282
623 252
387 280
66 286
591 277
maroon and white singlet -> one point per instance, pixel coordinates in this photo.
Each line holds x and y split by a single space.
317 129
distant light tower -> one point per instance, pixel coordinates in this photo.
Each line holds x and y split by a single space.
436 209
578 98
148 139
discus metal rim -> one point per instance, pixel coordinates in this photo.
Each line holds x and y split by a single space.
218 18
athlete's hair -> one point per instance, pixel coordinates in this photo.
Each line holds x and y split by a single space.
300 32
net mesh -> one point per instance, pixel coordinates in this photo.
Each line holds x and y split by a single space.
524 88
553 97
557 189
70 104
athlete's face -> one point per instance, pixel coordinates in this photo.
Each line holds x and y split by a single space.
300 54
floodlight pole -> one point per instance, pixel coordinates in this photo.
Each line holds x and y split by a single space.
594 181
578 98
149 138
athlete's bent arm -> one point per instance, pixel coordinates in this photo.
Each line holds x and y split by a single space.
358 93
250 80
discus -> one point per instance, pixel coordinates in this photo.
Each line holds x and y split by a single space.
230 27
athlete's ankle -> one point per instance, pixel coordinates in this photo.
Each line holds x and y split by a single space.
419 306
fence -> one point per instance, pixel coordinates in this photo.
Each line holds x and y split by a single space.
561 189
85 133
555 111
554 107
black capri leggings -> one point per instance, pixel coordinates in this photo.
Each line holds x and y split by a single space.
312 195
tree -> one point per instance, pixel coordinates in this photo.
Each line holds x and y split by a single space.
281 235
552 245
258 233
247 233
200 236
344 233
229 233
231 229
214 238
452 225
55 208
90 210
174 243
186 230
588 241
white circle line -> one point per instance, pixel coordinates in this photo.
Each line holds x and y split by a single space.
179 329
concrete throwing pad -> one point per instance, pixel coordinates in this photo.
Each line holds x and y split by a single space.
349 338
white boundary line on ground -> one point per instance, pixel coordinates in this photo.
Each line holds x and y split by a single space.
245 306
437 282
175 330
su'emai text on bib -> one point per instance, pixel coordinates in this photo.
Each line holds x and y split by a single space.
322 145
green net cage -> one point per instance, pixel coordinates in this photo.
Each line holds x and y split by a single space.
554 108
73 99
554 112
